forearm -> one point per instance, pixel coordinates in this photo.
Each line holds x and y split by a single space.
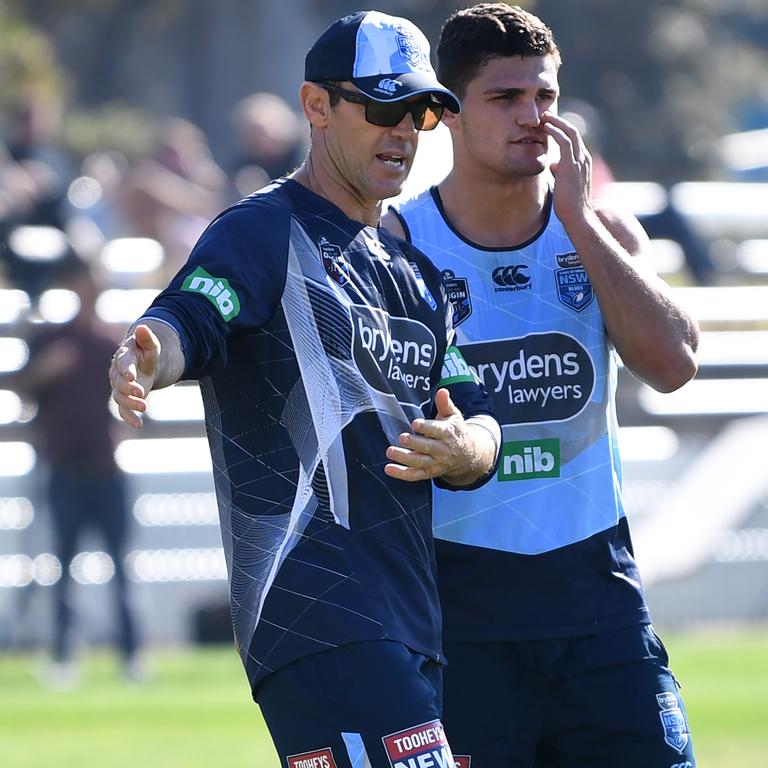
654 336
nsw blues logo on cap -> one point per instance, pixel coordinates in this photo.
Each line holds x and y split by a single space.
386 57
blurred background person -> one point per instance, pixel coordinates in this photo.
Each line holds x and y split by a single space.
34 143
270 141
174 193
65 376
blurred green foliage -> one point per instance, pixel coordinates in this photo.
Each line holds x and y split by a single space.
27 62
667 79
113 126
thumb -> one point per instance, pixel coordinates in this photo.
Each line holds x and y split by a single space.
145 338
148 348
444 405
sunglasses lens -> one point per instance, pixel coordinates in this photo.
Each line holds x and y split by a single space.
385 114
426 116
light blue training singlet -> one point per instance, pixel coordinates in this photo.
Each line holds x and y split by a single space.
544 549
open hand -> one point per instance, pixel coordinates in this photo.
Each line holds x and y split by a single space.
132 373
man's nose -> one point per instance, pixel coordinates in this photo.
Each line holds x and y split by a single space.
528 113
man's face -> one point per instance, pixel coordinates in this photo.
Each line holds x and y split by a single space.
372 161
500 122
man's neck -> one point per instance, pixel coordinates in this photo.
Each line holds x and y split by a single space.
340 194
495 213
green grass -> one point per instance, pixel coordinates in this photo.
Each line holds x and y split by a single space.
724 675
196 712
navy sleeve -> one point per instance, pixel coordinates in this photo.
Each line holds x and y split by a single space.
232 282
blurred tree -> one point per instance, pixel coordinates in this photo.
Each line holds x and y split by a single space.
28 63
667 78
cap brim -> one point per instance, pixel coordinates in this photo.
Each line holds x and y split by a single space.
396 87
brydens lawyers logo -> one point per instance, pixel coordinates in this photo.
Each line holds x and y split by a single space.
321 758
423 746
512 278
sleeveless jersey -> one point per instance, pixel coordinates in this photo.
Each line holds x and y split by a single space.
316 341
543 550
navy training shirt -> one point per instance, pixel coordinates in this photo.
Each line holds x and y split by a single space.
316 341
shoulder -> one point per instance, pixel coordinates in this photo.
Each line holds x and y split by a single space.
395 218
624 226
392 222
273 200
257 221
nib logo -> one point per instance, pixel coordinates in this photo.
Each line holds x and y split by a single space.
216 289
529 459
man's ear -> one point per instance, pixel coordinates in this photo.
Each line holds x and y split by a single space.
451 119
314 101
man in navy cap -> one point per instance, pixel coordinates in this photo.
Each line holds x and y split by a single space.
334 397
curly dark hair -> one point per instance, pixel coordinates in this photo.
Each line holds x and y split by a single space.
471 37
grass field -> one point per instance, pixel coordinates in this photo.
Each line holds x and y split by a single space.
196 711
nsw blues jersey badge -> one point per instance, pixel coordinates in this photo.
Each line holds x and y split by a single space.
573 286
673 721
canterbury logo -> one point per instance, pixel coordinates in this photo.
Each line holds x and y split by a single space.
511 275
388 85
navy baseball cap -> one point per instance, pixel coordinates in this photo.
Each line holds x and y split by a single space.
386 57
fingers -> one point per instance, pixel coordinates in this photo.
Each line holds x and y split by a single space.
567 137
128 394
410 465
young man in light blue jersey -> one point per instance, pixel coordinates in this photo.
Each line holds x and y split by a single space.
333 398
552 660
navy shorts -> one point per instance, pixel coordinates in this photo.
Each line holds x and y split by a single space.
601 701
374 703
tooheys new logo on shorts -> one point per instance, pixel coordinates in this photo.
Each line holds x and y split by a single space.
423 746
320 758
216 289
394 354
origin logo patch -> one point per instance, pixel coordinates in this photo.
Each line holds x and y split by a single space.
418 747
457 289
334 262
320 758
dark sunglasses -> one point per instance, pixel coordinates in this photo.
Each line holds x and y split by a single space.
386 114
